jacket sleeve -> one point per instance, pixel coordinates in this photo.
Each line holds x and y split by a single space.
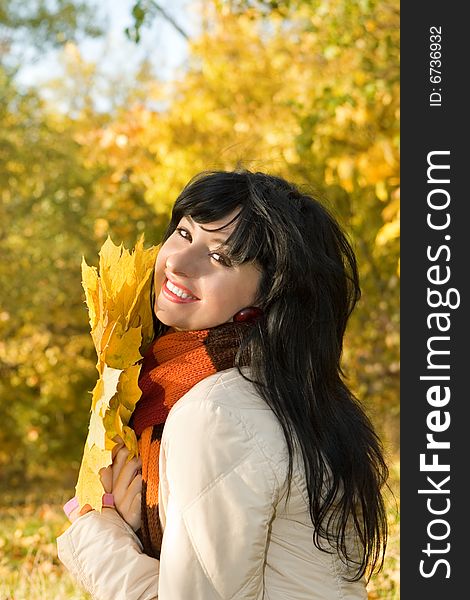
219 495
105 557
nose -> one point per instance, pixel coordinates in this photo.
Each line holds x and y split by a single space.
182 262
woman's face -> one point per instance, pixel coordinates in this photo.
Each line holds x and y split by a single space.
197 287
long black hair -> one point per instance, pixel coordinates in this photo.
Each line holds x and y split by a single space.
309 286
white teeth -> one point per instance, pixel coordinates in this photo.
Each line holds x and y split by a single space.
177 291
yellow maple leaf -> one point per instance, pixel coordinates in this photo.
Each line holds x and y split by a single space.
122 349
105 389
90 285
87 490
128 387
118 299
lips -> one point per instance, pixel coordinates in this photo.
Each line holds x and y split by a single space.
177 293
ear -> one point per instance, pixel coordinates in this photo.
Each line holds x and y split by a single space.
250 314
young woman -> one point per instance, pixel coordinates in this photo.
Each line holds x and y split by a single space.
261 474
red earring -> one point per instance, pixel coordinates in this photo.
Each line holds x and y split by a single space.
248 315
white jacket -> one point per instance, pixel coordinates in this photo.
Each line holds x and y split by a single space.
228 533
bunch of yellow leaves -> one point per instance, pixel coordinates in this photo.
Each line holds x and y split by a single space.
119 307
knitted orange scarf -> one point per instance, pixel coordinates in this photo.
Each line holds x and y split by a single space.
173 365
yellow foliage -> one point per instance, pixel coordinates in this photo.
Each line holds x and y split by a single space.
388 232
292 108
391 215
118 299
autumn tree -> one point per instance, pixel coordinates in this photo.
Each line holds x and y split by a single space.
309 92
45 24
51 214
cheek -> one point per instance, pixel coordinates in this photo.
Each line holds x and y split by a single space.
251 282
160 263
234 293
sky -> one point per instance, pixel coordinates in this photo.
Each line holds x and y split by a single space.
161 43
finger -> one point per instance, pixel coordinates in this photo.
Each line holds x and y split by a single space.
106 473
136 504
117 447
119 463
106 476
126 476
121 454
125 500
132 513
135 486
84 510
136 512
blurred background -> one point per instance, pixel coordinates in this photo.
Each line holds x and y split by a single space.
106 110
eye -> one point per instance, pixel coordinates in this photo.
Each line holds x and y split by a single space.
184 233
220 258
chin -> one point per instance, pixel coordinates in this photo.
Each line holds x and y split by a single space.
169 322
167 319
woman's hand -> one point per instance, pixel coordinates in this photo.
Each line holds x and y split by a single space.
124 480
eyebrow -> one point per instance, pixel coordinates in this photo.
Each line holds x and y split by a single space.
222 242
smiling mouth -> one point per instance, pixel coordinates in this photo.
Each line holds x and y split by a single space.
176 293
